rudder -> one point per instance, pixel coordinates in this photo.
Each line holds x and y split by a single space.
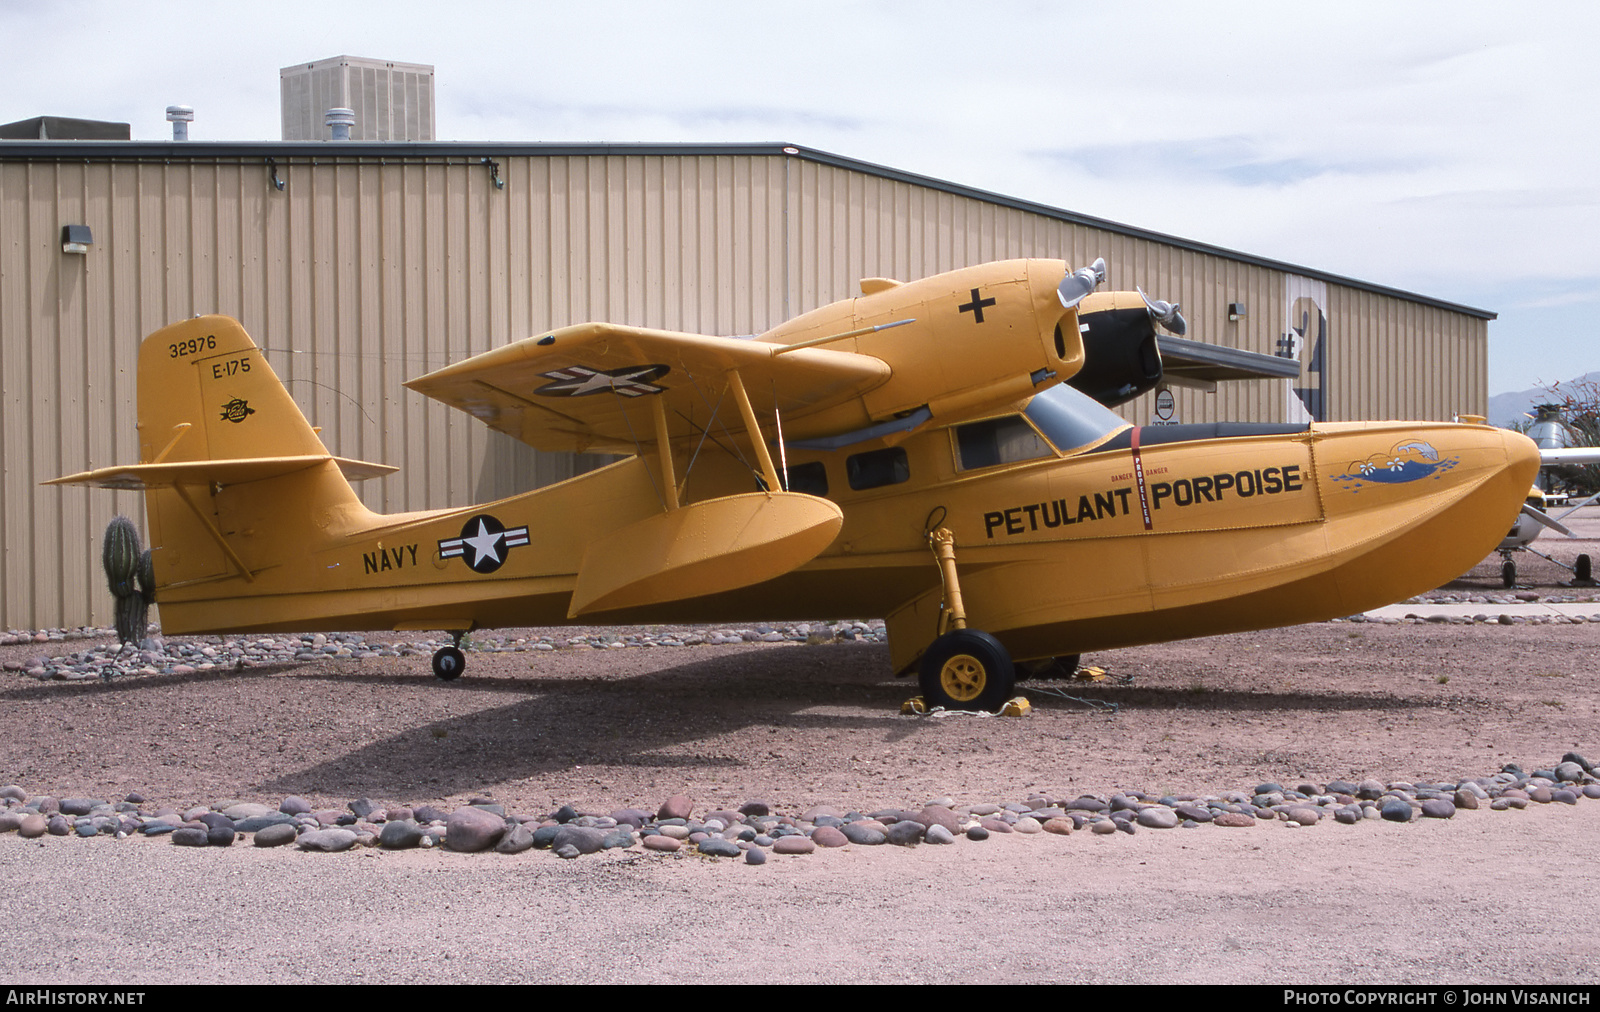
206 392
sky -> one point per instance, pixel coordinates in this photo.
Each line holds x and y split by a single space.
1448 149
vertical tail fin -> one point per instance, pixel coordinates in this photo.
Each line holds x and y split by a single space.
207 393
236 480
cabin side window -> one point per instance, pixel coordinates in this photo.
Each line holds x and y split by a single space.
810 478
994 441
877 468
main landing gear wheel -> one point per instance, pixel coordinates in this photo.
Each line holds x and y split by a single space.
966 670
448 663
1508 574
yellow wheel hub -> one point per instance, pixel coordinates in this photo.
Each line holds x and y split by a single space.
963 678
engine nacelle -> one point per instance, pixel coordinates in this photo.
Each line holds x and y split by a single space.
1121 360
967 341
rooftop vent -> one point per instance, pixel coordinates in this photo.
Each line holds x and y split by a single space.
180 116
339 121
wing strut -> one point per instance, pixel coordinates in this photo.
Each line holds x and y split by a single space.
768 471
669 479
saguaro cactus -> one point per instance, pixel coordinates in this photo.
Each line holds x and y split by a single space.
131 578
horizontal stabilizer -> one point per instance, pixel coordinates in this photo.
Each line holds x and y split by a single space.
137 477
705 548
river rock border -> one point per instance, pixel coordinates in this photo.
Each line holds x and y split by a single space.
754 831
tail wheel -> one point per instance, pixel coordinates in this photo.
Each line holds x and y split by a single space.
1582 569
966 670
448 663
1508 574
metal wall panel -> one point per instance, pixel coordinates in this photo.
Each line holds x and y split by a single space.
369 268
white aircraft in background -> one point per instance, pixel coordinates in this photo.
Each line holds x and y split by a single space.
1552 437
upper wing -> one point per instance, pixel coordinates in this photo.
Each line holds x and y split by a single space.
1198 363
587 387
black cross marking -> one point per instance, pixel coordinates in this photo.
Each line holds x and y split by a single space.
976 306
1285 346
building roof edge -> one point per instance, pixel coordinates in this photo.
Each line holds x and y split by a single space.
18 150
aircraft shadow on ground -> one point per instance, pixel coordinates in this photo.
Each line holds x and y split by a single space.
671 719
666 718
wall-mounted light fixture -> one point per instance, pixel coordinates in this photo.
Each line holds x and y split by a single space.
1235 311
76 239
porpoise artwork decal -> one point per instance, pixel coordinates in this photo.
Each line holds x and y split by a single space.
1409 461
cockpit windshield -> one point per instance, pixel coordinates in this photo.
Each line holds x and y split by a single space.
1072 420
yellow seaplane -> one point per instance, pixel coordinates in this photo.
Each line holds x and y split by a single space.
918 453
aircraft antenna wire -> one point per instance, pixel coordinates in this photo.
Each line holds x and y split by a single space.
335 390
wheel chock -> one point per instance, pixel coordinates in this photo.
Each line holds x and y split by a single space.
1016 706
915 706
1086 673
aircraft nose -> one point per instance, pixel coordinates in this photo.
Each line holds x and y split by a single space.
1522 455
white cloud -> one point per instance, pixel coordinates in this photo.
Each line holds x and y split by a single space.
1447 148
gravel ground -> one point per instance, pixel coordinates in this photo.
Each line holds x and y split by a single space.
1486 896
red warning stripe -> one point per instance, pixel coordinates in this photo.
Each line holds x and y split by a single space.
1138 477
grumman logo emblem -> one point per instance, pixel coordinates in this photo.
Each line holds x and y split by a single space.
484 543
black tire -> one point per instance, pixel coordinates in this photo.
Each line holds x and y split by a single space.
1582 569
448 663
966 670
1508 574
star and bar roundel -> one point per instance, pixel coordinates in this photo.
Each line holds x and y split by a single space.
484 543
581 381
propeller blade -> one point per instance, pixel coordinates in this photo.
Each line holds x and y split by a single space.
1540 516
1165 313
1080 283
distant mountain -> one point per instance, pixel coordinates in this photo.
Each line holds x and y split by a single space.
1507 408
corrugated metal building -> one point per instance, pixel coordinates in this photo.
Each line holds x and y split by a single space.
358 265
